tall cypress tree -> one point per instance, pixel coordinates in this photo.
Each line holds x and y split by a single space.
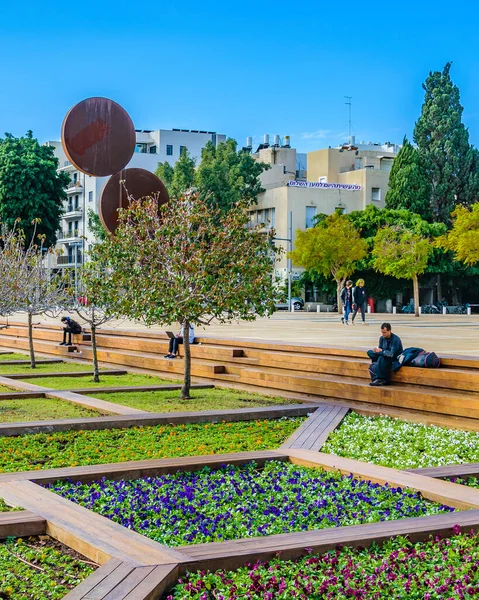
409 187
443 141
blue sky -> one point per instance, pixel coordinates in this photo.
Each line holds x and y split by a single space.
237 68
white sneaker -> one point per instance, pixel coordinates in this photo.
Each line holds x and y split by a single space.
346 323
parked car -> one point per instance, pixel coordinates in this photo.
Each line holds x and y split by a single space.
298 303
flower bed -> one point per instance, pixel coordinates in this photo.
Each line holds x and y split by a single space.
237 502
402 445
72 448
39 569
434 570
41 409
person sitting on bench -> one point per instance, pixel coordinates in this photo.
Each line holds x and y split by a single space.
178 339
389 348
71 326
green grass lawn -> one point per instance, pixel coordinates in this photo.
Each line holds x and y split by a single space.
86 381
14 356
207 399
5 369
4 389
42 409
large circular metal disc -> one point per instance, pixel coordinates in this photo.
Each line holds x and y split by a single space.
138 182
98 137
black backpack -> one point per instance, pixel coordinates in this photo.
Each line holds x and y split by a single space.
429 360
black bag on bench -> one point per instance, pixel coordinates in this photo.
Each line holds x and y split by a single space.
429 360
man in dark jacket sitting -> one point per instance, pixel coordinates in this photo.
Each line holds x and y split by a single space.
70 326
389 348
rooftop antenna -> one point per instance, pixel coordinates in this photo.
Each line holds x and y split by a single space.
348 102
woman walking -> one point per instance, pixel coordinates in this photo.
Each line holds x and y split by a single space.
359 300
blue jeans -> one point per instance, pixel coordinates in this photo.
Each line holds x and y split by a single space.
347 311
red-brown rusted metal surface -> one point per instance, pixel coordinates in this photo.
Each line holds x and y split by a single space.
138 182
98 137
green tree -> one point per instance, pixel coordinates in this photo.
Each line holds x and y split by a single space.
403 254
450 162
190 263
331 248
165 172
95 280
409 187
30 187
226 176
95 225
27 282
183 174
463 238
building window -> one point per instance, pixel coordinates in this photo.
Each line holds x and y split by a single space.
310 214
376 194
141 148
169 150
75 177
90 196
152 149
183 148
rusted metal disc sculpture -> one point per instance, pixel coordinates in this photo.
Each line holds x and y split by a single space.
98 137
136 183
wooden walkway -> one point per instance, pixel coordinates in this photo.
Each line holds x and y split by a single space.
137 568
464 470
314 432
119 580
234 554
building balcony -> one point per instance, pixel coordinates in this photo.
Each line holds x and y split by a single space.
68 237
69 261
73 212
74 187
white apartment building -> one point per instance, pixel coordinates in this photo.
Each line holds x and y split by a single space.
75 238
348 177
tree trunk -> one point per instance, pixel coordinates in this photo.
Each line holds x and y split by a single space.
185 390
33 363
339 286
416 295
96 371
439 288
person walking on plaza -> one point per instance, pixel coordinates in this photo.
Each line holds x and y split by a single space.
70 326
178 339
359 301
347 301
389 348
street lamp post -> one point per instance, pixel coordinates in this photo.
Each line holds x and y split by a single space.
76 245
289 264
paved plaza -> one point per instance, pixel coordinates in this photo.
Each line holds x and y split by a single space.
446 334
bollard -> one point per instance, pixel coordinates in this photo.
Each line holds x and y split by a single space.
444 310
318 308
420 310
468 310
369 310
394 310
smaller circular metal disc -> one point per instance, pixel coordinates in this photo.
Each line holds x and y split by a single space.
138 182
98 137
